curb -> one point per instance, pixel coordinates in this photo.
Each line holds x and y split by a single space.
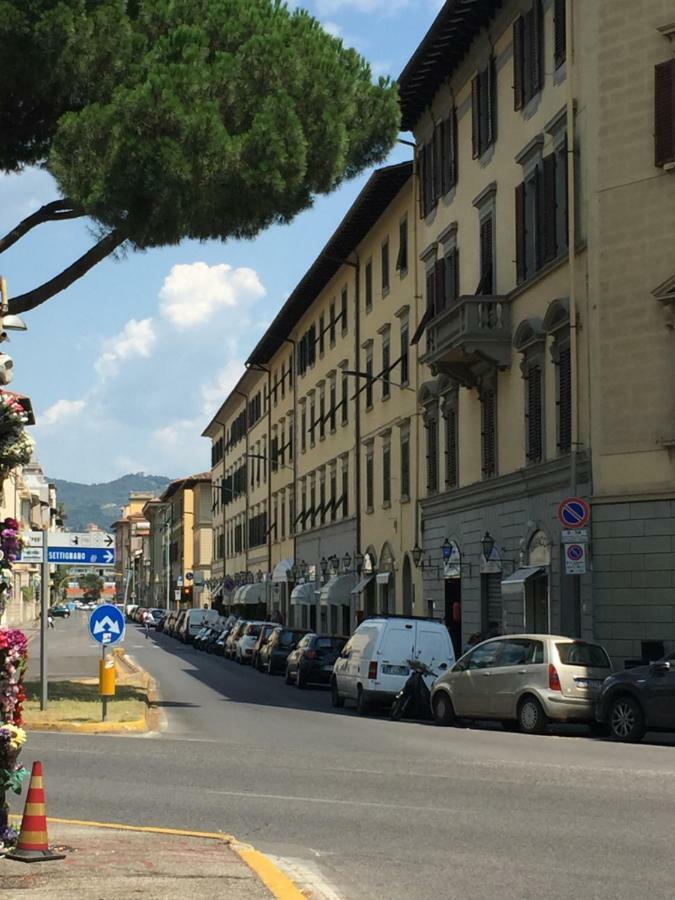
277 882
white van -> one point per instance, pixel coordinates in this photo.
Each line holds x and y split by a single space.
193 620
373 666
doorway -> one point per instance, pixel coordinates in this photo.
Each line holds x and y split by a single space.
453 612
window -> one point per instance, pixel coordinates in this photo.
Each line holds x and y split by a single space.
282 449
564 399
345 487
528 55
386 363
489 432
302 518
534 413
368 279
579 653
664 113
369 376
405 347
484 109
386 473
451 278
333 402
307 350
486 285
484 657
322 496
541 214
451 446
312 500
290 372
431 424
344 402
559 33
283 515
322 412
291 511
402 258
385 266
283 380
303 428
370 488
438 164
312 420
343 309
332 323
405 464
321 331
333 492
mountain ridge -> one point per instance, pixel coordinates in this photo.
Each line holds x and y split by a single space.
101 502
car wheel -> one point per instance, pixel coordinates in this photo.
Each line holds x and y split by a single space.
362 707
335 698
444 712
289 677
531 717
626 720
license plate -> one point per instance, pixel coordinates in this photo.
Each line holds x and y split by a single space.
594 683
394 670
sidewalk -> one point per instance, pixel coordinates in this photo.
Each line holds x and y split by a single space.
106 863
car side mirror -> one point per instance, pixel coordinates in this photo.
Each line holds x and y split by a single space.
443 666
661 668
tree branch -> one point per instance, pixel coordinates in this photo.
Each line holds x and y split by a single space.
31 299
55 211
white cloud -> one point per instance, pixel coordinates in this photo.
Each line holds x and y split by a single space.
327 7
214 392
62 409
191 294
137 338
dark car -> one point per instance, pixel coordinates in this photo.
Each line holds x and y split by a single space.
279 644
639 700
59 612
266 630
312 660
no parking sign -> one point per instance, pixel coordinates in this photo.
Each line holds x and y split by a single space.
575 559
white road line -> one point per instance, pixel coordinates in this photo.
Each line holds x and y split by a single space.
334 801
307 877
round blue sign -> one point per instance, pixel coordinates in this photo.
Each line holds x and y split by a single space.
106 624
574 512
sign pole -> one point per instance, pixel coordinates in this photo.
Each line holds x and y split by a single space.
104 698
44 611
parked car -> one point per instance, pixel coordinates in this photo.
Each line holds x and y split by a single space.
172 623
247 640
130 607
265 632
233 637
275 652
638 700
200 637
209 644
193 620
524 679
312 660
373 665
59 612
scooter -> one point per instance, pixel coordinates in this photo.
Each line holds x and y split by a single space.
414 699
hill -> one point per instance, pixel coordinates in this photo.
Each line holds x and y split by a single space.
101 503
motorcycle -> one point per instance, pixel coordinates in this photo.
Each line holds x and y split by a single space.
414 698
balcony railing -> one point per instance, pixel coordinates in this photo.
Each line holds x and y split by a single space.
474 330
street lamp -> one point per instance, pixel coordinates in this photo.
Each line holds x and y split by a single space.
346 562
446 547
488 545
334 563
358 561
303 568
324 566
259 575
417 554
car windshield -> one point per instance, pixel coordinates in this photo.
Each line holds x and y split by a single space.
253 630
578 653
329 644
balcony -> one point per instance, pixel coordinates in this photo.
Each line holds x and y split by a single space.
472 334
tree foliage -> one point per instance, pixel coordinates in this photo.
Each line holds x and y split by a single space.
92 585
167 119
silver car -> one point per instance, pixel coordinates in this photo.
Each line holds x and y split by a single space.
525 680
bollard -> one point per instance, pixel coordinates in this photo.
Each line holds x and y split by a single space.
106 681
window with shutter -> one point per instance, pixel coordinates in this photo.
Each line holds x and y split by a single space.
405 465
439 286
561 181
451 460
368 278
528 55
344 402
438 163
520 232
370 494
333 403
386 474
331 323
322 414
534 414
518 28
369 378
664 113
385 266
404 352
451 287
343 309
475 117
484 109
559 33
486 285
402 258
489 432
345 489
564 401
449 145
432 454
386 363
549 209
321 339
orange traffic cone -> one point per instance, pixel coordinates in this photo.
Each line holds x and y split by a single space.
33 843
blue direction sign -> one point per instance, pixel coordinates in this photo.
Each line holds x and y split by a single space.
106 624
81 556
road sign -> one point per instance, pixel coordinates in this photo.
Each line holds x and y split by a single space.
32 538
30 555
179 581
106 624
83 556
189 576
574 512
574 536
575 559
83 539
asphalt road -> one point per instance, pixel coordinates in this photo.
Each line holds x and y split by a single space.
379 809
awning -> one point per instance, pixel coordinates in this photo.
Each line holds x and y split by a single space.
218 589
303 593
281 571
514 618
383 577
362 585
514 583
252 593
337 590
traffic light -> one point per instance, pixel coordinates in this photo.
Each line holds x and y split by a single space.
186 594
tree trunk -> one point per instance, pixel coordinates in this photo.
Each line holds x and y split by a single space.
55 211
31 299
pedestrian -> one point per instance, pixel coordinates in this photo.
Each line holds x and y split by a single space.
146 626
50 620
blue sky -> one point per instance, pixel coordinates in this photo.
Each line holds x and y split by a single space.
127 366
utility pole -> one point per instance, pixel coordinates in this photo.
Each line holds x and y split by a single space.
44 611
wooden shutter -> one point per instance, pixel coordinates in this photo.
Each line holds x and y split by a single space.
520 232
449 152
432 455
537 47
439 286
489 433
664 113
491 110
451 448
549 208
486 284
454 147
439 163
518 63
540 215
534 414
431 292
451 290
475 117
421 181
559 33
565 401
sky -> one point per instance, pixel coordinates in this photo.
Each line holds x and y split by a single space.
127 366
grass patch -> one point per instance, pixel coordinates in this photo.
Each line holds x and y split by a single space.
78 702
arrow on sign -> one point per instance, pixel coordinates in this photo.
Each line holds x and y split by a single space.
108 540
75 540
106 624
108 556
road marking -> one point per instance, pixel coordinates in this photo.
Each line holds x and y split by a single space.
334 801
308 877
